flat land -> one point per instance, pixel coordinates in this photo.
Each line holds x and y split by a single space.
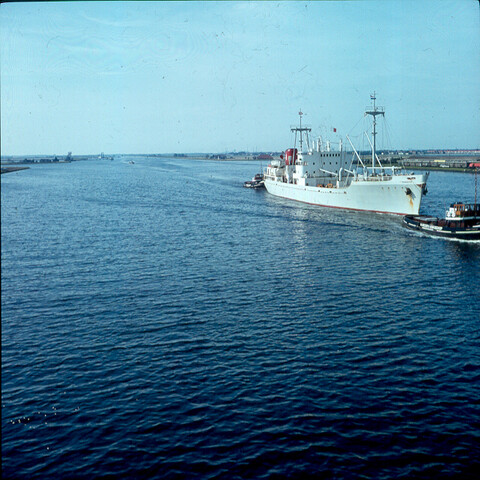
12 169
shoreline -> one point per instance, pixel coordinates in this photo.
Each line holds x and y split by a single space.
9 167
12 169
442 169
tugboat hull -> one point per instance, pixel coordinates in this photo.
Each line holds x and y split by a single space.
442 227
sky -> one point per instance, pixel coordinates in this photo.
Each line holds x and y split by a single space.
165 77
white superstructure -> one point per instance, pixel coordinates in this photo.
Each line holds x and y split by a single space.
322 176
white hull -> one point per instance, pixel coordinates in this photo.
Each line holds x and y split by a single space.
399 195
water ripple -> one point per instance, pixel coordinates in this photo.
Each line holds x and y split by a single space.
200 330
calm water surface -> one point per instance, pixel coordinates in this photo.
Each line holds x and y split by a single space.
159 320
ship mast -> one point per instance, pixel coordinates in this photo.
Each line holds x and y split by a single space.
374 112
300 130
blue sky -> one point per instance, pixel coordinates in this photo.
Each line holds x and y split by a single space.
148 77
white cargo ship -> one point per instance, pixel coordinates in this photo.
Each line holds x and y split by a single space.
326 177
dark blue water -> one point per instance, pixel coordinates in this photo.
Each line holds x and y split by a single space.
159 320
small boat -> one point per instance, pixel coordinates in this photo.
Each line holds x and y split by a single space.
253 184
462 221
256 182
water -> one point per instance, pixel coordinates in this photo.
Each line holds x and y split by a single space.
159 320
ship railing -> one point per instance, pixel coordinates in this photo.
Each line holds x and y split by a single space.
392 168
377 109
379 178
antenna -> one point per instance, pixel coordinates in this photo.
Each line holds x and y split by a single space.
374 112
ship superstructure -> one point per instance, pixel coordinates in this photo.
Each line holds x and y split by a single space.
320 175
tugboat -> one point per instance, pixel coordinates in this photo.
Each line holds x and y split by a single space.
256 182
462 221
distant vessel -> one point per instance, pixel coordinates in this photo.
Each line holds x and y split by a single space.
102 156
319 176
462 221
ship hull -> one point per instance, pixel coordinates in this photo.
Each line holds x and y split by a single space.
400 195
